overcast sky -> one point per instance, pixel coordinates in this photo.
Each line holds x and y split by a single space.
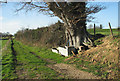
12 22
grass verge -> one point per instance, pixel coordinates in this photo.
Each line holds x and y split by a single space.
8 68
31 66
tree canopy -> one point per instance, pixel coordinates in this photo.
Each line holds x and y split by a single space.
74 10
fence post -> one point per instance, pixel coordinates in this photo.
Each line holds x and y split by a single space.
110 29
94 29
100 26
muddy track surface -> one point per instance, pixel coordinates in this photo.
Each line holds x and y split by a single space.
68 70
72 72
13 51
14 56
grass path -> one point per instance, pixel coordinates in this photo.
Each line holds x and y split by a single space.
68 70
4 44
8 65
27 62
35 63
31 66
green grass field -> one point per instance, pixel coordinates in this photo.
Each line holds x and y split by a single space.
103 31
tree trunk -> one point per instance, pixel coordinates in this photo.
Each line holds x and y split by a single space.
78 36
75 24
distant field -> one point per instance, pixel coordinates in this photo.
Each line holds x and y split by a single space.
3 42
103 31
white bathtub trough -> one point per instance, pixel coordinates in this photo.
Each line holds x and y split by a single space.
66 51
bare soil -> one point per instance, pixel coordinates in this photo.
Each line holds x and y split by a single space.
72 72
68 70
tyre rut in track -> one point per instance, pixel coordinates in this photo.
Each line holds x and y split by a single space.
14 56
47 60
52 64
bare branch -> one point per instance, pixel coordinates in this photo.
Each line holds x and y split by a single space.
24 4
69 12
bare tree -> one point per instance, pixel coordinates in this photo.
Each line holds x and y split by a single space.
73 14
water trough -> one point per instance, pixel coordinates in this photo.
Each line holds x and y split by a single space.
64 50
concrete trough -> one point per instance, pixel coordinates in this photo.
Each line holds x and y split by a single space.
55 50
66 50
